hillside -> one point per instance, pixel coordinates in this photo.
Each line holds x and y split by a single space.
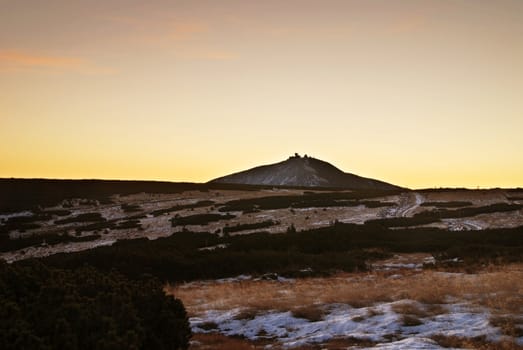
305 172
261 266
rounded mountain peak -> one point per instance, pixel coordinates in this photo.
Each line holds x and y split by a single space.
298 171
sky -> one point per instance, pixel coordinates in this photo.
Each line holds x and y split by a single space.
421 93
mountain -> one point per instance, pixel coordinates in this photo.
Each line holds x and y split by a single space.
303 171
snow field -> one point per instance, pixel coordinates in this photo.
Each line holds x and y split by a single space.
380 323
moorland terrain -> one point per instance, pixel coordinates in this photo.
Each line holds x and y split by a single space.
270 266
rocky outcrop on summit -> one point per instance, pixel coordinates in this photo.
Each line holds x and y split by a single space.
304 172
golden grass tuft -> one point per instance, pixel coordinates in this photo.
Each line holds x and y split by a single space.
500 289
409 308
312 313
415 309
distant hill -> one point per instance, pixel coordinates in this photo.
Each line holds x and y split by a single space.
304 172
28 194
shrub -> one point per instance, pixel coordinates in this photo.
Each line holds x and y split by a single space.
312 313
253 226
86 217
44 308
455 204
130 208
199 219
199 204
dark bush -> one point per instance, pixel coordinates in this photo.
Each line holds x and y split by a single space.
86 217
402 222
96 226
130 208
128 224
454 204
466 212
46 308
57 212
27 194
7 244
182 207
376 204
253 226
430 216
199 219
341 246
310 199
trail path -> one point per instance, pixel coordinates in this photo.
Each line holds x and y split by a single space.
408 202
411 206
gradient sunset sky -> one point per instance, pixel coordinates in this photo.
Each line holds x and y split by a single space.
417 93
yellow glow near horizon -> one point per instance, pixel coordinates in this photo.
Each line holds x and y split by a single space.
419 94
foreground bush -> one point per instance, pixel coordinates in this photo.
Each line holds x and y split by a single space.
43 308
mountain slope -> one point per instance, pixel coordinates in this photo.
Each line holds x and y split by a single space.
303 171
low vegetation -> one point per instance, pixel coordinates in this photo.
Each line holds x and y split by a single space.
198 204
471 211
7 245
452 204
312 313
431 216
250 226
337 261
345 247
23 223
479 343
499 288
44 308
307 200
86 217
22 194
199 219
130 208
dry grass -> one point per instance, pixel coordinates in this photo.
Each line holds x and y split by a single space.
247 314
371 312
418 310
479 343
500 289
509 325
412 312
215 341
409 308
312 313
338 344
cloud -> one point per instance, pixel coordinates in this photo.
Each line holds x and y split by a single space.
161 28
187 30
210 55
188 38
22 59
17 60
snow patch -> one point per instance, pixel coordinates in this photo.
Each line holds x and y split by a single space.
14 215
377 323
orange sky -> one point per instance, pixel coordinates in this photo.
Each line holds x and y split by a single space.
417 93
